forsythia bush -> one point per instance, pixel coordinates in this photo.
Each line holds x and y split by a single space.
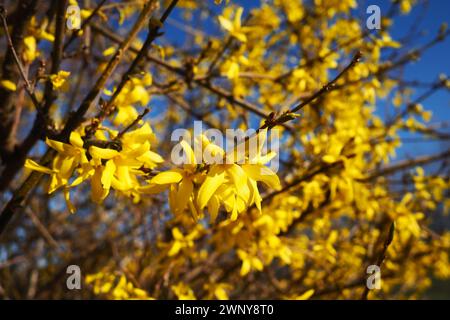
89 113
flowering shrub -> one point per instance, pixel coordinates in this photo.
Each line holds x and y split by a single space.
105 186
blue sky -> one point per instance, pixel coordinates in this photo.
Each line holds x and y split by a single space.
431 64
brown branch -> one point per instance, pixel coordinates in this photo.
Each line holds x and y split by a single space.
201 82
16 59
154 27
405 164
382 255
56 52
12 70
131 125
20 195
84 24
42 121
42 229
78 116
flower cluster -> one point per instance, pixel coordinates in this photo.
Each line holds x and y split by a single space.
232 184
106 160
118 162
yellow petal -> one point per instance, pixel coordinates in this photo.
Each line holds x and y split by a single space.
76 140
33 165
213 207
174 249
190 156
68 203
108 173
125 177
329 158
55 183
98 194
167 177
240 36
109 51
9 85
57 145
245 268
138 151
213 181
153 156
101 153
238 176
225 23
66 166
176 233
263 174
184 193
306 295
237 17
152 188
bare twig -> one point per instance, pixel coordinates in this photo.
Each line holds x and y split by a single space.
382 255
131 125
84 24
405 164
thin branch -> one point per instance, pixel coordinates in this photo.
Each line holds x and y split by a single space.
20 195
77 117
131 125
380 259
405 164
330 84
84 24
154 27
28 87
201 82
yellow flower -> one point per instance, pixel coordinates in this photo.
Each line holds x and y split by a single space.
230 184
9 85
305 296
109 51
30 52
115 286
180 182
59 79
119 168
234 26
235 185
69 157
249 262
183 291
134 92
180 241
106 167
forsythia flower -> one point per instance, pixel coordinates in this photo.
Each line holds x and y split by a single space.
183 291
249 262
181 241
69 157
134 92
30 53
230 184
305 296
9 85
59 79
106 284
234 26
107 164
